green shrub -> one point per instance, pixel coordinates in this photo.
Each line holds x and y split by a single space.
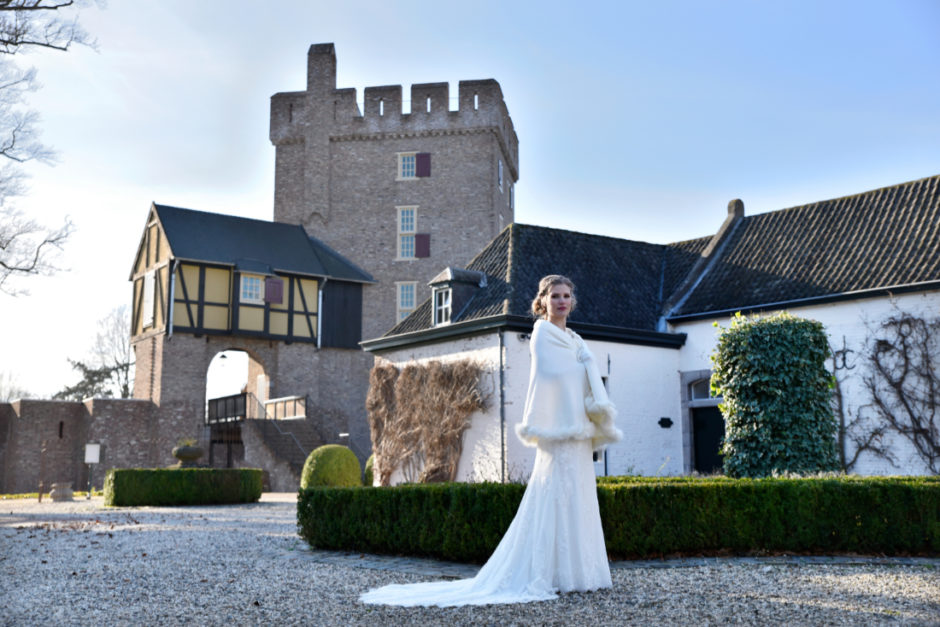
778 418
182 486
331 465
642 517
368 472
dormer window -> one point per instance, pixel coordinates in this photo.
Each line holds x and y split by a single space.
451 292
442 306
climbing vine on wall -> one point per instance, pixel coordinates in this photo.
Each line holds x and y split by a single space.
418 415
903 382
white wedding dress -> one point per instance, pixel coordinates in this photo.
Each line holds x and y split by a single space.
555 543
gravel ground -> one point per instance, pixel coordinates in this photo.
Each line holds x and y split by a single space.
78 563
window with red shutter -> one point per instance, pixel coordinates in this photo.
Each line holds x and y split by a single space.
422 245
273 290
423 164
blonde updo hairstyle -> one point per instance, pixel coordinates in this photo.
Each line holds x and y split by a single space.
539 310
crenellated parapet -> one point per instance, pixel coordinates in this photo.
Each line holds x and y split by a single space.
323 112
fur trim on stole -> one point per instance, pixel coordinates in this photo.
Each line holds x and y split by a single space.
566 397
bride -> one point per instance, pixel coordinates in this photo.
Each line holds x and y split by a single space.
555 542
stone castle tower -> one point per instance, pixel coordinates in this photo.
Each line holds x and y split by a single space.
401 194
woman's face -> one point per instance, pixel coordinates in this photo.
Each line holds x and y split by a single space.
558 302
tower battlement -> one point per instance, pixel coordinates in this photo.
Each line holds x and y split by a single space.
323 108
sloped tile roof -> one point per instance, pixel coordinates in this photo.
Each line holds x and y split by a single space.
885 238
249 244
618 282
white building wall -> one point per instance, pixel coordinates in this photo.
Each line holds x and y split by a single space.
643 382
852 320
482 443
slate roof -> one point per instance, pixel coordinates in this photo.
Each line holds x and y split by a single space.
252 245
884 239
620 280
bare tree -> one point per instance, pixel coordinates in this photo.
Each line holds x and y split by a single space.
109 372
26 246
10 389
113 349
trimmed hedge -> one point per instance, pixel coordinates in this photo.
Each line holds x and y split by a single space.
182 486
332 465
642 517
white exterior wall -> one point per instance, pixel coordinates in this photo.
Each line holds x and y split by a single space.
482 444
851 320
643 382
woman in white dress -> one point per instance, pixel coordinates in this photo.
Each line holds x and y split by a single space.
555 542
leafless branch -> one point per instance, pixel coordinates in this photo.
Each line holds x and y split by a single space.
26 248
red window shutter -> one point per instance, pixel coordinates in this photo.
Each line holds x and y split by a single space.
422 244
423 164
273 290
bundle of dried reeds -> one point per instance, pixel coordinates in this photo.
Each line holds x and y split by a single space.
452 394
380 407
418 416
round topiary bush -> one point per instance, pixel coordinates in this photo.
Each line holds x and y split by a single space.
369 463
331 465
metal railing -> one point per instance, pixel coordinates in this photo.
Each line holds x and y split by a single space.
226 409
286 407
238 407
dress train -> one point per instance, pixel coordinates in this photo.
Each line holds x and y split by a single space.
554 544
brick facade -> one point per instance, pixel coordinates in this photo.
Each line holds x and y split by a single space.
337 168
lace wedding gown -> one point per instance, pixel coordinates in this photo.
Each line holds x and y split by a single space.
555 543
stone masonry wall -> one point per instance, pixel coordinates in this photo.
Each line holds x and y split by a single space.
336 171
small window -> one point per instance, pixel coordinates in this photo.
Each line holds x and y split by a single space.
442 309
512 196
406 232
499 173
406 299
147 305
413 165
406 165
700 390
252 289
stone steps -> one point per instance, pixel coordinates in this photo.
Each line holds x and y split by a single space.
283 436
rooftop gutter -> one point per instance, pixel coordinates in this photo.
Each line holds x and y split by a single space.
522 324
812 300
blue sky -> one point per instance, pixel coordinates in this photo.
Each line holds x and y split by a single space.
635 119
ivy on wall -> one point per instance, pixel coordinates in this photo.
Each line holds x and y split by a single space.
772 375
418 415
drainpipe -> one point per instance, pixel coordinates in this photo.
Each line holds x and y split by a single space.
171 298
320 313
502 411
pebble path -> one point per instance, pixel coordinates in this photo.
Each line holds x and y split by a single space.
80 563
